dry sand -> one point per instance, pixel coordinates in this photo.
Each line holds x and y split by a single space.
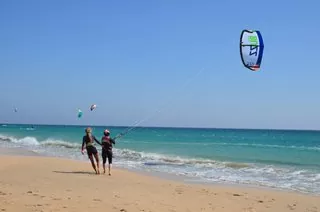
32 183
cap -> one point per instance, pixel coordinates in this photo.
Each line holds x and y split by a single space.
106 132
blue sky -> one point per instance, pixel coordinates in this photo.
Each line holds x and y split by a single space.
132 58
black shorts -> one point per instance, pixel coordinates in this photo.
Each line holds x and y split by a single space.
91 150
106 154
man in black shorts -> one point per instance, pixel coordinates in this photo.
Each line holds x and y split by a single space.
106 143
88 140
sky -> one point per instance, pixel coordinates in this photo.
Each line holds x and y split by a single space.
166 63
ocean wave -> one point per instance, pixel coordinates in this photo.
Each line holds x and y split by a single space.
23 141
59 143
32 141
5 138
161 159
314 148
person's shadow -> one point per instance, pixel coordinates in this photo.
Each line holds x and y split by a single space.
74 172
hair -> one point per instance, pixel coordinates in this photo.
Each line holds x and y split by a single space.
88 130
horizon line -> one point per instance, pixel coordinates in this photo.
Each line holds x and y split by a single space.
172 127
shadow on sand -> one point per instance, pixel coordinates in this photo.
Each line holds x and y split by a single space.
74 172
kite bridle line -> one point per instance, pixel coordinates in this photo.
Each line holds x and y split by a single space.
187 82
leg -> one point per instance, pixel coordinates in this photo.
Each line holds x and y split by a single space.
109 169
104 160
97 160
110 161
92 163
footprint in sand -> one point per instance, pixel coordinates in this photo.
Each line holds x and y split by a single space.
179 190
291 207
249 210
313 209
204 191
272 200
237 195
2 193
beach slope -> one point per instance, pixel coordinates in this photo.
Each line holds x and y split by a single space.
32 183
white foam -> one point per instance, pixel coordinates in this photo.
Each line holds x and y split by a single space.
26 141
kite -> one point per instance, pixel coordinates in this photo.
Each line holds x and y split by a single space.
15 110
79 113
93 107
251 49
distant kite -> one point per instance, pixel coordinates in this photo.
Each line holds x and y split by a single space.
93 107
15 110
79 113
251 49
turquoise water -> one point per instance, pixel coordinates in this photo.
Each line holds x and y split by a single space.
273 158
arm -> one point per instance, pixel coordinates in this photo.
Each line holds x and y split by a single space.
82 148
113 141
97 140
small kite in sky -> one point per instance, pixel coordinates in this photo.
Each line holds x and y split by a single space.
93 107
79 113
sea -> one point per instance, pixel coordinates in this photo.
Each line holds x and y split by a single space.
282 159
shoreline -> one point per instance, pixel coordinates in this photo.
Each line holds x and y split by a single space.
36 183
22 152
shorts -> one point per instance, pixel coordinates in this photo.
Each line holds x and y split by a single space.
91 150
106 154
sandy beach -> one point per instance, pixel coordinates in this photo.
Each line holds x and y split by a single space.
35 183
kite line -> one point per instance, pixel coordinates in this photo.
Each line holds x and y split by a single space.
137 123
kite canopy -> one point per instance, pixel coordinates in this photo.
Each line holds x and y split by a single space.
93 107
79 113
251 49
